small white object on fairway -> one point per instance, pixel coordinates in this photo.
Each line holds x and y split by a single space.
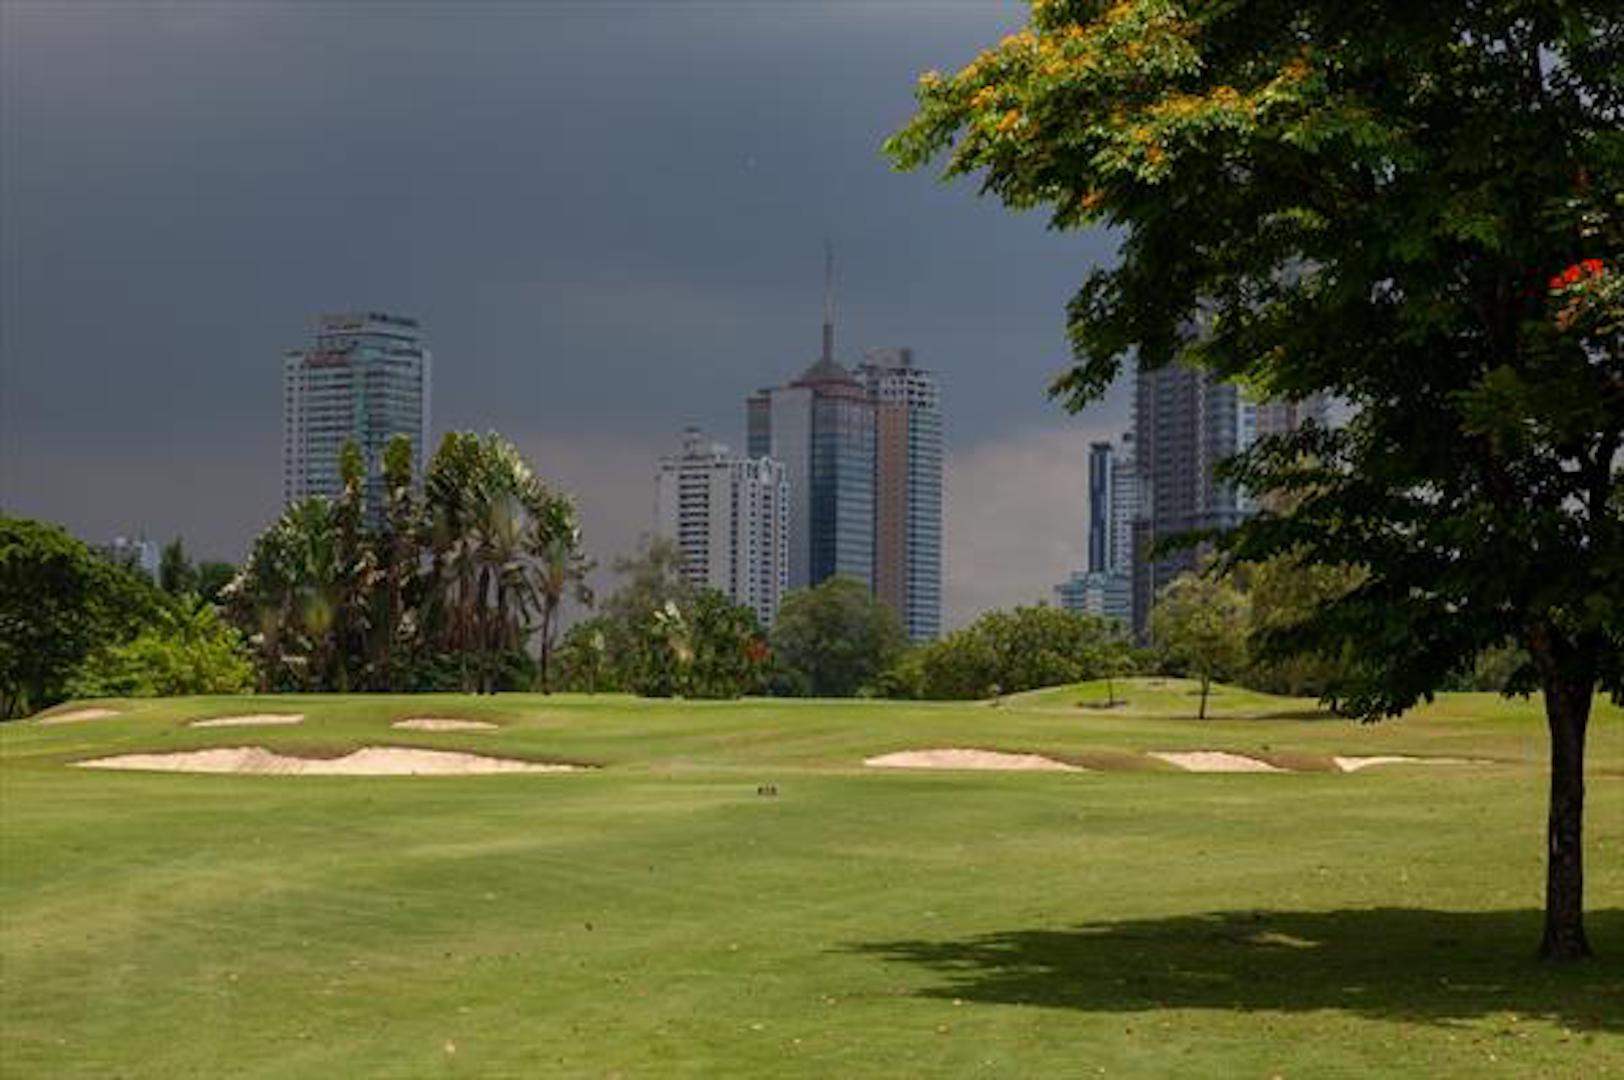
252 720
73 716
957 758
368 761
1214 761
438 723
1354 764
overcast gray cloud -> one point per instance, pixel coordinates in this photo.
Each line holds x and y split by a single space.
608 216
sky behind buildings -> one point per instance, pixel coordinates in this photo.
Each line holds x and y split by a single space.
609 218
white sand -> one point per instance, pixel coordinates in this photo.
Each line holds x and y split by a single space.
1354 764
252 720
954 758
438 723
73 716
368 761
1214 761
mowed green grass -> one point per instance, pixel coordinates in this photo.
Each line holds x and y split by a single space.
656 916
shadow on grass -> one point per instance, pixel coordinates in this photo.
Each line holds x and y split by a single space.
1390 963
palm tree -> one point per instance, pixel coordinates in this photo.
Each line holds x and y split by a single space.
318 586
489 517
396 555
286 593
260 598
560 573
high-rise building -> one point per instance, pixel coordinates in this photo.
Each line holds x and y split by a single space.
140 554
1124 507
729 516
1105 586
863 455
1185 423
907 489
366 379
1101 462
1108 594
821 426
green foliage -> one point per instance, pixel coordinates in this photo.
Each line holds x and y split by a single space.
729 651
647 642
185 652
833 639
59 601
1420 210
176 574
1200 621
1006 652
335 598
1283 594
212 578
562 569
583 657
489 521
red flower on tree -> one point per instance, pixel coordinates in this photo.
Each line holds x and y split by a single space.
1579 271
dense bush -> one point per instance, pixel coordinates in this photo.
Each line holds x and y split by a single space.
59 603
184 652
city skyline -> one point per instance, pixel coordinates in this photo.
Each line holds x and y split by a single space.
602 255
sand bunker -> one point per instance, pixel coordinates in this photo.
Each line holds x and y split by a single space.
968 759
252 720
368 761
439 723
73 716
1214 761
1354 764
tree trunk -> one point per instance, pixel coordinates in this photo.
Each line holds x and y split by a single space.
546 645
1567 712
1206 684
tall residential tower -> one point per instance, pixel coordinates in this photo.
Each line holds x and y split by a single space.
907 489
729 516
1185 423
366 379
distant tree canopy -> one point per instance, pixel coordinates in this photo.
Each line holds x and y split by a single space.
658 636
833 639
1005 652
69 617
188 650
1417 207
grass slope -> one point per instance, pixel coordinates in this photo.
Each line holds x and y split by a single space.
658 917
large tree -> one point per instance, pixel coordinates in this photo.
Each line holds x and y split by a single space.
1201 622
1417 207
835 638
59 602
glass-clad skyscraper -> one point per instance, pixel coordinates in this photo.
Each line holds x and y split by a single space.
863 455
366 379
907 488
821 426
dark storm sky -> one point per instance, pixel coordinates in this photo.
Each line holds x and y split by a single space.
608 216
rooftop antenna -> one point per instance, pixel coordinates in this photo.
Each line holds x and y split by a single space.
828 300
